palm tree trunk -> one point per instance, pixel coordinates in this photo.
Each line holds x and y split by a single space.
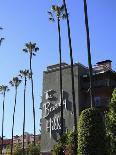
89 54
72 77
24 117
3 122
13 119
32 96
61 97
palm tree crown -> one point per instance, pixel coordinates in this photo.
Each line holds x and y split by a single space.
59 11
25 73
3 89
31 48
15 81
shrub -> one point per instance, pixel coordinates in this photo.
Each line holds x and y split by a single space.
17 150
111 125
66 143
33 150
91 133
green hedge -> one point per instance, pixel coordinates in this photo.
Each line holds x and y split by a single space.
66 143
91 133
111 125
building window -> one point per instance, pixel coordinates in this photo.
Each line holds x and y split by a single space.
101 101
97 101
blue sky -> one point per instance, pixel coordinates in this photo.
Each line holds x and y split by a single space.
25 21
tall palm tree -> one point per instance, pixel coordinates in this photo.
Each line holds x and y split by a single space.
24 74
72 77
59 13
15 82
3 90
89 54
1 39
31 49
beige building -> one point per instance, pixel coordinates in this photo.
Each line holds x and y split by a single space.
28 139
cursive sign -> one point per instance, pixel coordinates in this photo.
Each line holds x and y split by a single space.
49 107
53 124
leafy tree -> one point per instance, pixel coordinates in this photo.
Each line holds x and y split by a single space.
24 74
3 90
15 82
31 49
91 133
111 125
59 13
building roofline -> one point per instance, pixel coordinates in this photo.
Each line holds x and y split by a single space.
99 73
65 66
104 61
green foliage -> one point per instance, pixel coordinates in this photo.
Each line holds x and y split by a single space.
30 150
33 150
8 150
111 125
91 133
66 143
17 150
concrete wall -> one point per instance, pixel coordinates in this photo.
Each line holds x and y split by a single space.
51 80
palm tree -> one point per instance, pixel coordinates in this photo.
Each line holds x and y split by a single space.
89 54
1 39
3 90
59 12
72 77
14 83
24 74
31 49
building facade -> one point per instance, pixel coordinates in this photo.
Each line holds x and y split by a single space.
104 80
28 139
18 140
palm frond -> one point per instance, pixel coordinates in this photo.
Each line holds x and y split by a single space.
54 8
25 50
1 39
11 83
34 54
1 28
52 19
62 8
36 49
50 13
64 16
28 45
8 89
